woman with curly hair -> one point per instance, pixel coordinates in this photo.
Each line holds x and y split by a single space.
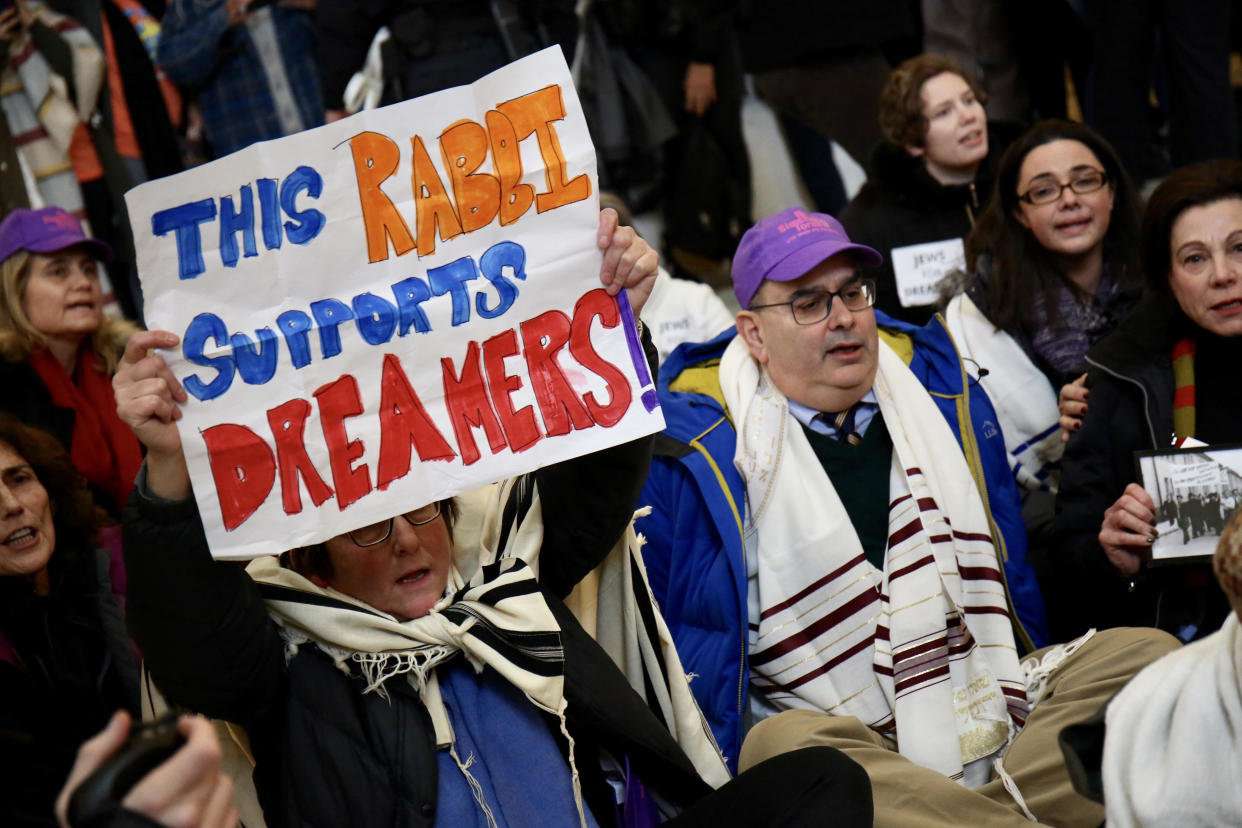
929 179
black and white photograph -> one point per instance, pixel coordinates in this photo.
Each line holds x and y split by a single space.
1196 492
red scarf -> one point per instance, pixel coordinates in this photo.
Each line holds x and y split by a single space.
102 448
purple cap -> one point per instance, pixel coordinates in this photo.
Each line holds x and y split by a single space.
788 245
46 230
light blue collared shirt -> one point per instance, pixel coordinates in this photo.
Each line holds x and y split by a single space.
809 417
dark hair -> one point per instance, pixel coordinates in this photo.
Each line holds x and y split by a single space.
1191 186
1021 269
901 100
75 516
314 560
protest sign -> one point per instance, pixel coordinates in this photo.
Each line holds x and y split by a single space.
390 309
1205 473
918 269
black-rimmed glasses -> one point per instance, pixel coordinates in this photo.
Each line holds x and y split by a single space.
377 533
814 306
1050 190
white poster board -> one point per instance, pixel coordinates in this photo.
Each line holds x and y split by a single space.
918 269
390 309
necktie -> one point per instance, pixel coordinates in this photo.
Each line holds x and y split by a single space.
843 422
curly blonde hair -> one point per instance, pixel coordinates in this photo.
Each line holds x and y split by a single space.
901 101
19 339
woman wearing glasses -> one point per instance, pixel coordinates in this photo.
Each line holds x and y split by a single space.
1053 268
382 685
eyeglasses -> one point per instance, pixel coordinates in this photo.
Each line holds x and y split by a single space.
377 533
809 308
1049 190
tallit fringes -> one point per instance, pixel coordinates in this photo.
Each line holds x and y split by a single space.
378 668
1011 788
573 766
475 788
1038 672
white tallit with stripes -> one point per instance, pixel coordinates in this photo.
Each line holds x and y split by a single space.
1025 402
498 619
922 651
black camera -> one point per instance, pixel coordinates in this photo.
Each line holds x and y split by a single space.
147 747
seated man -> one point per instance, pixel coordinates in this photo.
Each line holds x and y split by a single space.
835 530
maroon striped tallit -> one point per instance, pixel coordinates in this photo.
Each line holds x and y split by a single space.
921 650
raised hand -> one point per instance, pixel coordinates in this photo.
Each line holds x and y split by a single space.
629 262
147 398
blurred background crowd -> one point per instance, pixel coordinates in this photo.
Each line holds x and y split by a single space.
914 121
704 114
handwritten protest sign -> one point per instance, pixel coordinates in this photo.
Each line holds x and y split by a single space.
1205 473
918 269
390 309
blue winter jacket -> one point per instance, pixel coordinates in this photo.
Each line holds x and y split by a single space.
694 555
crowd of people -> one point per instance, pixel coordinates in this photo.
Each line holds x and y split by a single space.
890 559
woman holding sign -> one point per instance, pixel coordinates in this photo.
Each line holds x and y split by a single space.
1053 267
58 349
382 684
1169 372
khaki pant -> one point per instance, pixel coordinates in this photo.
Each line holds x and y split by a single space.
912 796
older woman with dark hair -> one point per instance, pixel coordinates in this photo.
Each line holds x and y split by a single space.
58 349
1169 372
65 662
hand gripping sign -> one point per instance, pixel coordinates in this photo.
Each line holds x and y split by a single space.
390 309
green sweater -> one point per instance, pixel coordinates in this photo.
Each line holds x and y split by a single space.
860 475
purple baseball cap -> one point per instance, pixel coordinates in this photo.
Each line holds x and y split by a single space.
788 245
46 230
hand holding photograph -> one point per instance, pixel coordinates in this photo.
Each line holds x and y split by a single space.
1196 491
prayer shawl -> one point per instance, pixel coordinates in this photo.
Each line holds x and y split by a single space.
1025 402
41 116
921 651
615 606
498 619
1171 750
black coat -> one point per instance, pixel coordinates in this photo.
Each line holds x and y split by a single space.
780 33
27 398
73 667
901 204
1130 375
327 754
435 44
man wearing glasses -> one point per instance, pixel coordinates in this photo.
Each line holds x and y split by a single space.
835 530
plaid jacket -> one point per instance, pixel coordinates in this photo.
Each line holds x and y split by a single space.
203 54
